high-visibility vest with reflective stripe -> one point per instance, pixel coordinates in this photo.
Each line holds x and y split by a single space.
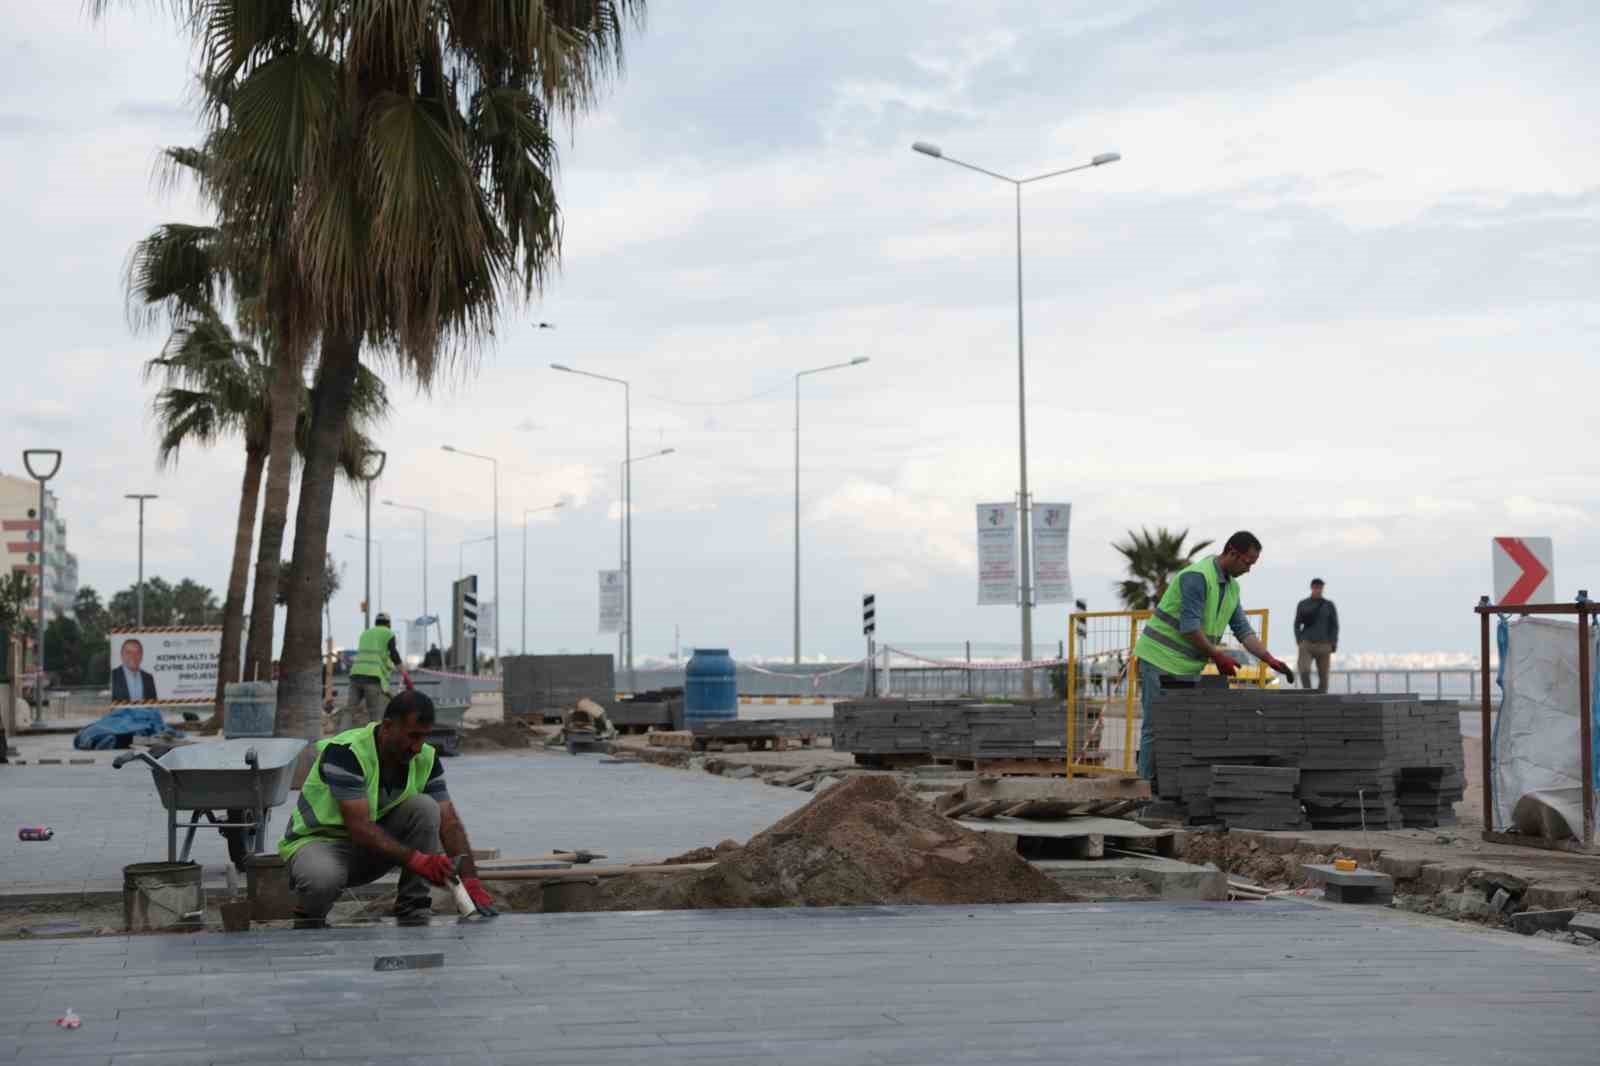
1162 646
317 815
372 655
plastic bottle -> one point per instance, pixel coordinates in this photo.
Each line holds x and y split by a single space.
35 832
69 1020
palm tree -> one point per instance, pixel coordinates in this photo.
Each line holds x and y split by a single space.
1153 559
398 157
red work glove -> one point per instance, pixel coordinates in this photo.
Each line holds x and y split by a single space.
1227 666
1280 666
436 868
480 896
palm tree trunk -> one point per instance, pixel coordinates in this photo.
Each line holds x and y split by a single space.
287 385
255 459
300 670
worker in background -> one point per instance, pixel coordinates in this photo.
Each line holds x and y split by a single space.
369 675
1316 631
1183 633
375 799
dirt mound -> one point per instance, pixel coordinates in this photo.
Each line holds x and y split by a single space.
868 841
1246 857
722 850
497 736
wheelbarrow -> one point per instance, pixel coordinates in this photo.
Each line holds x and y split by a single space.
244 779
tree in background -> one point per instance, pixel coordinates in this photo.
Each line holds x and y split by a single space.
158 609
1152 560
194 604
16 600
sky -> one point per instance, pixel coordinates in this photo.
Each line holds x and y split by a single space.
1338 292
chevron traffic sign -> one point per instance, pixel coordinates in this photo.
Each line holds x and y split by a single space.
1524 570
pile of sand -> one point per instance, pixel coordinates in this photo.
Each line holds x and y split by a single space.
497 736
867 841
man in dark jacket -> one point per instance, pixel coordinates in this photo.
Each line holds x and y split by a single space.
1316 631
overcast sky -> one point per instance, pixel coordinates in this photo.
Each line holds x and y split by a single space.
1339 292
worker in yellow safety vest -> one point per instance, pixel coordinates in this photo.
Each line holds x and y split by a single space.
369 675
1182 635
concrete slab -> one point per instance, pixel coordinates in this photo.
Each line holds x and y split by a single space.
848 987
1529 922
1064 828
1167 879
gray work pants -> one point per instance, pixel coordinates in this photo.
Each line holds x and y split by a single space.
323 869
1319 652
365 703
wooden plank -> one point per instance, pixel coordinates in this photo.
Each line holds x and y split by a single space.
492 874
1066 828
1059 790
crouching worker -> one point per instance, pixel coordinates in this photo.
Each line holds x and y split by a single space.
374 800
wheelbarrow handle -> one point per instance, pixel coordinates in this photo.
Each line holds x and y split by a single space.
127 757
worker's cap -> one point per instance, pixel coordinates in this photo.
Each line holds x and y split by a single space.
1317 582
383 618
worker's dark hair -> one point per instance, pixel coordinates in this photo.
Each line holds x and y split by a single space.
1242 542
409 702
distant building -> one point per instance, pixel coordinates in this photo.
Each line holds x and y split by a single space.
19 524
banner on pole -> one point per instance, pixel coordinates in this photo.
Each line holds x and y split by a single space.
1052 582
612 585
997 553
172 665
417 638
488 625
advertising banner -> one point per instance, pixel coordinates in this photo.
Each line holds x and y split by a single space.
997 553
612 604
176 664
1052 583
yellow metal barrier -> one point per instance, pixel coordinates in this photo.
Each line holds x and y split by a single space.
1102 688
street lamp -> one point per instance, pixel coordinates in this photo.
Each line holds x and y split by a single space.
368 470
40 475
497 601
141 497
627 504
374 542
526 511
1024 501
461 558
423 511
857 361
627 554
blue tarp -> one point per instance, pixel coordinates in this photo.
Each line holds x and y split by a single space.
108 732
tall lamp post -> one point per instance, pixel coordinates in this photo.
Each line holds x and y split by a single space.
526 511
498 603
139 596
378 544
627 503
423 511
1023 500
461 563
30 458
369 469
857 361
627 553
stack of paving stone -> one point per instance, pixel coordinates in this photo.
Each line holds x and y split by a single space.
889 727
1256 797
951 728
1350 751
1424 799
1016 731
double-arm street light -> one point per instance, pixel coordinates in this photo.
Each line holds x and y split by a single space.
497 601
627 504
423 511
526 511
461 566
857 361
141 497
373 606
1024 502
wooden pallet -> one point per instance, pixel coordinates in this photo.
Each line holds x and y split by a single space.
1044 797
671 740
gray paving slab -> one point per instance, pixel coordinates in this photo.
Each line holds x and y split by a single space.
1193 983
523 804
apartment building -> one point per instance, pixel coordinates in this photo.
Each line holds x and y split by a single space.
19 524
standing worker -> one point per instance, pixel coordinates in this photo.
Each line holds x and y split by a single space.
1316 631
369 675
1198 607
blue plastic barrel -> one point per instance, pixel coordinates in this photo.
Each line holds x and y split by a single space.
710 686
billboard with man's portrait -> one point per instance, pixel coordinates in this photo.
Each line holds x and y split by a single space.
177 664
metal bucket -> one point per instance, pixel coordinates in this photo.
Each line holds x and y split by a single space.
162 895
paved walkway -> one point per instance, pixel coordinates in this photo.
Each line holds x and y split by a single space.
523 804
1196 984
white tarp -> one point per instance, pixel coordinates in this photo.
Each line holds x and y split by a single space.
1052 581
997 553
1538 764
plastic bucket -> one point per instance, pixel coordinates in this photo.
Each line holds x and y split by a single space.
248 708
162 895
271 895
